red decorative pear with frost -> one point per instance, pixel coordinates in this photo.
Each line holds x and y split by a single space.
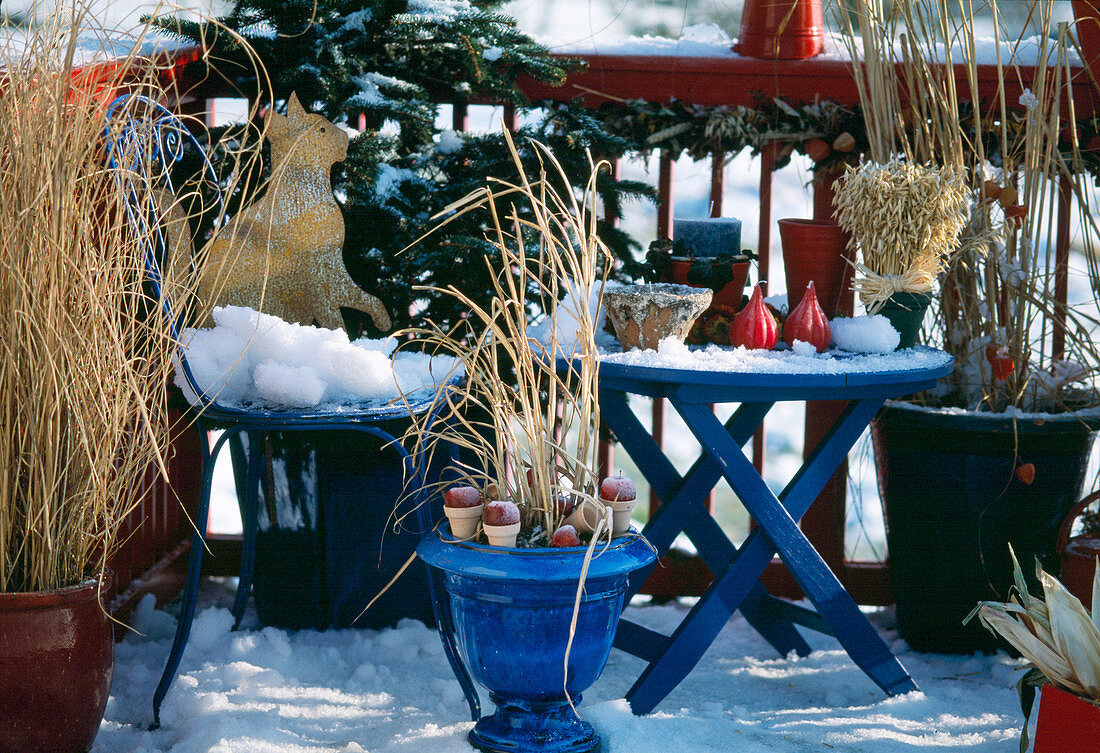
808 322
754 327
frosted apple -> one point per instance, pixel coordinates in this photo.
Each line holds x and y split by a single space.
462 496
501 512
565 536
617 489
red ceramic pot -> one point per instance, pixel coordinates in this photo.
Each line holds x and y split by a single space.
1079 554
1066 723
817 250
781 29
56 663
730 294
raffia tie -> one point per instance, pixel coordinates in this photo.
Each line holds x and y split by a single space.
875 288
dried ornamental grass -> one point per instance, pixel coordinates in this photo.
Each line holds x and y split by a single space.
905 219
537 438
1000 291
85 362
82 374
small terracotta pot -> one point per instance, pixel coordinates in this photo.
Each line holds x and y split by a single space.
1078 554
817 250
585 516
731 293
56 664
620 515
781 29
464 520
501 535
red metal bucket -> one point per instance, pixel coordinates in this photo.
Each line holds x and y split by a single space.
1079 554
781 29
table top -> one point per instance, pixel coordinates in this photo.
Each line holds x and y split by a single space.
714 374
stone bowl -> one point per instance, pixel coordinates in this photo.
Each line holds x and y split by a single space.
644 315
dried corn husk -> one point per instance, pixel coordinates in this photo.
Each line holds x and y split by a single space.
1054 631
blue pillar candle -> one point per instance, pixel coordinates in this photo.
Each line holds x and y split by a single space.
709 237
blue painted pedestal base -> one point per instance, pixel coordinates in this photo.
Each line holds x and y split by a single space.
548 727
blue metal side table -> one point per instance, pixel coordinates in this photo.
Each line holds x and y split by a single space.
691 392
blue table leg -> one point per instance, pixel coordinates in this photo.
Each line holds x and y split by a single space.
194 570
682 509
779 532
249 511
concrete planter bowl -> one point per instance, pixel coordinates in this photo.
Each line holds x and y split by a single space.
644 315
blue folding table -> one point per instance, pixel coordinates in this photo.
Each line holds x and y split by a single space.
737 570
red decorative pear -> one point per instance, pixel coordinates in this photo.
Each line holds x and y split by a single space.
808 322
754 327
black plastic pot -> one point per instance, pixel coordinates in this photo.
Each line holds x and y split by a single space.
326 542
953 504
906 312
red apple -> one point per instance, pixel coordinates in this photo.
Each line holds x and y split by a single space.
618 489
563 504
462 496
565 536
501 512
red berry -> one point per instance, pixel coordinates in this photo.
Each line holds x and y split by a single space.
618 489
565 536
999 360
1026 473
462 496
501 512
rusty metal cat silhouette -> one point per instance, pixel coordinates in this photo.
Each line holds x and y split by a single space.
282 254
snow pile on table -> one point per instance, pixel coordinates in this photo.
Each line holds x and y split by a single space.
249 358
673 354
864 334
391 691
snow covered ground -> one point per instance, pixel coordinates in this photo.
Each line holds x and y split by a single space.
388 691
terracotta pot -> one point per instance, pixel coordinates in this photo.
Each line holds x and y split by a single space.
730 294
817 250
1078 554
781 29
56 663
1066 723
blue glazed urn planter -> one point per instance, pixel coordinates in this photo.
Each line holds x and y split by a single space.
511 610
